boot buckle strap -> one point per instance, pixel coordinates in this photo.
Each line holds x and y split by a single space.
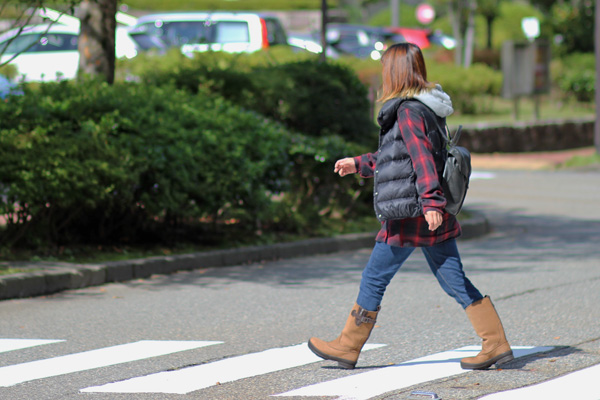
360 317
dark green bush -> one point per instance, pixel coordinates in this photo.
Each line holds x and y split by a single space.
100 162
307 96
314 98
317 194
89 163
467 86
575 75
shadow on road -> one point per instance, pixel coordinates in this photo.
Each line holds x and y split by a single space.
521 363
517 243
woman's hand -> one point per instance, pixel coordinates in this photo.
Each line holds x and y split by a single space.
434 219
345 166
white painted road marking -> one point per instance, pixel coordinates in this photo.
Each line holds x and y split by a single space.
13 374
202 376
18 344
482 175
580 385
373 383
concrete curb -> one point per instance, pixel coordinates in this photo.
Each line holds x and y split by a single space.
51 277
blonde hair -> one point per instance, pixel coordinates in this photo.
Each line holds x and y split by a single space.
404 73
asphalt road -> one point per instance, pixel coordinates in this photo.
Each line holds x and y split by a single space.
540 265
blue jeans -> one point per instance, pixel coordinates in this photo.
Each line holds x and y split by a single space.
443 259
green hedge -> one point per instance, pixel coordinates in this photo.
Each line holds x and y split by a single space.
307 96
467 86
128 163
575 75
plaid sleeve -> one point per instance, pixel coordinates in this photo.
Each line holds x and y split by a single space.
412 129
365 164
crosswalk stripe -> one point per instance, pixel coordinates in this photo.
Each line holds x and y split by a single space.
202 376
382 380
19 373
580 385
18 344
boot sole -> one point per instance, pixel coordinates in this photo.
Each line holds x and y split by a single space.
343 363
498 360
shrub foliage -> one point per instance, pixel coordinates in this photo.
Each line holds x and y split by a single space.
302 93
575 76
128 163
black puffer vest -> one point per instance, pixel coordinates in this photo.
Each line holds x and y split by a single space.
395 194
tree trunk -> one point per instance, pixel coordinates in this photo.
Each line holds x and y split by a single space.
455 11
97 38
323 56
490 24
470 34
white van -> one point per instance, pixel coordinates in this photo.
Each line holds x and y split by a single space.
202 31
43 53
49 51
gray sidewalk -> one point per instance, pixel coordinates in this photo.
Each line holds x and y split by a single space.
50 277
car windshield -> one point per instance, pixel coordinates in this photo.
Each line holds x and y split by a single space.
38 42
178 33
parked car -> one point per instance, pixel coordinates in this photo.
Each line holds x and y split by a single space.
361 41
306 42
200 31
44 53
424 38
49 52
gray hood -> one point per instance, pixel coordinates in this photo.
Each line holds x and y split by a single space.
437 100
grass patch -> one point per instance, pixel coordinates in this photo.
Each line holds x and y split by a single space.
10 270
503 111
582 161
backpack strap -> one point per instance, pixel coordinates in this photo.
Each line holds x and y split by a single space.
450 140
429 117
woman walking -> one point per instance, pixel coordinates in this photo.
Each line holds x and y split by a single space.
409 202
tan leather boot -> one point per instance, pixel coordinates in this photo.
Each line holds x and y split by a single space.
494 348
346 348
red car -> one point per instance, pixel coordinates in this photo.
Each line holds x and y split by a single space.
424 38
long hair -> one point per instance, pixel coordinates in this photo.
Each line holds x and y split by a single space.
404 73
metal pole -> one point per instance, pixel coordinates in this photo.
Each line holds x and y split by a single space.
323 57
597 95
395 9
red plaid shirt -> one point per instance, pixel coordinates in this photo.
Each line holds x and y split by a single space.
414 232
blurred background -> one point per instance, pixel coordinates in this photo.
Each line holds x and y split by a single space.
203 123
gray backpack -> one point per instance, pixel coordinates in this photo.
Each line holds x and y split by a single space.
457 163
457 172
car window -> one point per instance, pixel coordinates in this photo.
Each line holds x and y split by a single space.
275 32
19 44
178 33
147 42
349 38
37 42
56 42
174 33
231 32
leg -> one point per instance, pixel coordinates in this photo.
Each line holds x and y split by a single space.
444 261
383 264
494 347
345 349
